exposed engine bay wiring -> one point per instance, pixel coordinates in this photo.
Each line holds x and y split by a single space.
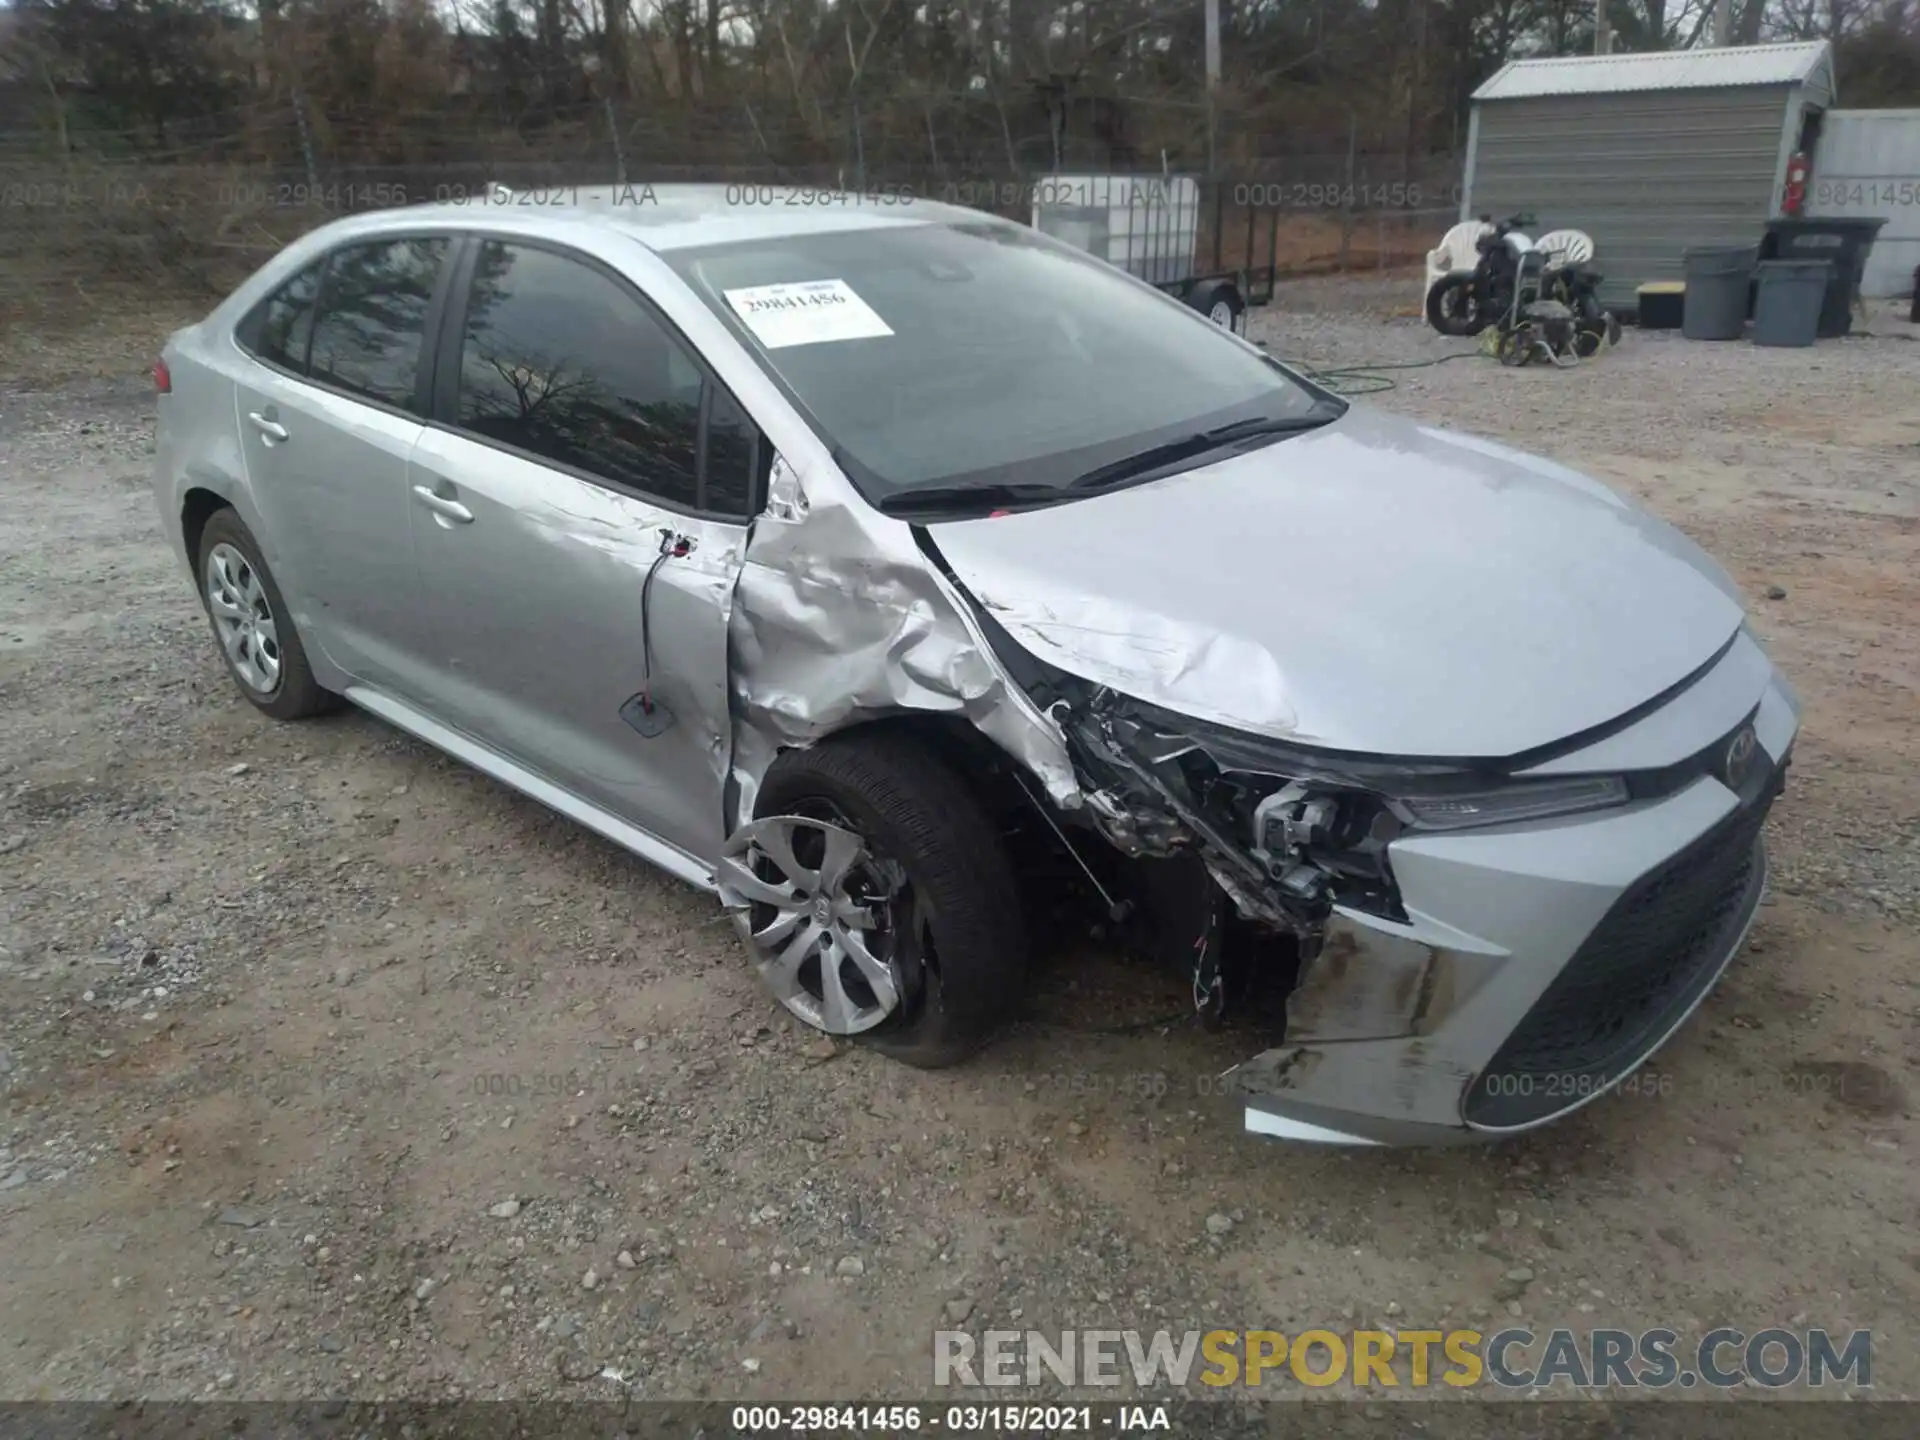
1283 847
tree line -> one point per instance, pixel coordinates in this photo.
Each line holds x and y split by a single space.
968 86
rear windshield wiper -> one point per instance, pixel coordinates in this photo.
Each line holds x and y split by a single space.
1143 464
961 500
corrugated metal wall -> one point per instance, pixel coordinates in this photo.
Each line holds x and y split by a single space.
1645 173
1868 163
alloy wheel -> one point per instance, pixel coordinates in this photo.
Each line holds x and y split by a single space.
825 917
243 619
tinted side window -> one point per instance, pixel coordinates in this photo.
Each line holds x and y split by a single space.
373 312
560 361
730 457
279 328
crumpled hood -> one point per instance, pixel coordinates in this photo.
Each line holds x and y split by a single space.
1374 586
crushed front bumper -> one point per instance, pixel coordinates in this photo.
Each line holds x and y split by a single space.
1540 965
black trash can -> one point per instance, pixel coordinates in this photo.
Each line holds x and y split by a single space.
1844 240
1788 299
1716 300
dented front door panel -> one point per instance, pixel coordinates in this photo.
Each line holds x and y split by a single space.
554 648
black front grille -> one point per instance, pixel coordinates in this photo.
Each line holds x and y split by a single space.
1644 965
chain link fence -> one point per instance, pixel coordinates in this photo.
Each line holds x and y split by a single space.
90 222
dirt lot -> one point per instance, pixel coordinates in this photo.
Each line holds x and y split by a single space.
331 1068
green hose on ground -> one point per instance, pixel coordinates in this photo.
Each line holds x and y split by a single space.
1369 378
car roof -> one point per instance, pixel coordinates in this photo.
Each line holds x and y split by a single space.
681 216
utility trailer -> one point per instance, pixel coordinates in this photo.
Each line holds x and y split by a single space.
1195 239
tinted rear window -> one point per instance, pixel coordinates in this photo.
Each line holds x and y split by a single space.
373 315
281 325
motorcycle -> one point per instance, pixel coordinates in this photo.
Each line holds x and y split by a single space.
1465 302
1531 299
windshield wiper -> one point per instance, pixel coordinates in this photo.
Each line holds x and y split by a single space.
966 499
961 500
1145 462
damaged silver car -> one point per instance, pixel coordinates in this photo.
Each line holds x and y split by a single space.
902 576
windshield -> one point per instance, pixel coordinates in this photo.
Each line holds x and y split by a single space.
954 356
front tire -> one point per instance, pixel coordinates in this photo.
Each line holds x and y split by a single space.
878 900
252 626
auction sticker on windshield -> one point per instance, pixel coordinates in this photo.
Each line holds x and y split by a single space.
806 312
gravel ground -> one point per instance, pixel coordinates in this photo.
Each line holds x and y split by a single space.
333 1069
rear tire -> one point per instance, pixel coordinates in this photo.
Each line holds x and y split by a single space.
958 953
251 624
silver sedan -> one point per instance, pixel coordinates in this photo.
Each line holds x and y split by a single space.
905 577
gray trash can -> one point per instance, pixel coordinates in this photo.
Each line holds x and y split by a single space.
1717 280
1786 310
1845 240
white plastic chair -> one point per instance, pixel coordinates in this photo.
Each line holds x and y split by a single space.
1566 247
1456 251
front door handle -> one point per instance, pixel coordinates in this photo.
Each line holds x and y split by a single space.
440 505
271 428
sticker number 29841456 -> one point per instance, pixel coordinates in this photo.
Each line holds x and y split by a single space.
806 312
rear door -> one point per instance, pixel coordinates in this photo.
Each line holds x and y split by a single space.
579 512
329 411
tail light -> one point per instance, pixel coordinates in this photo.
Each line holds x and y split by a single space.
162 378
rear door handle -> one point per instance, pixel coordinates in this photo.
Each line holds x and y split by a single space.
448 509
272 429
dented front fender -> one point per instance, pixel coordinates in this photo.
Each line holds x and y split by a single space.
839 618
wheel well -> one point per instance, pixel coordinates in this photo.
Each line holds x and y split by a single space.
1005 792
196 510
1053 894
953 740
1067 875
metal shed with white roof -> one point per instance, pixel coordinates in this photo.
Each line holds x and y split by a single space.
1648 153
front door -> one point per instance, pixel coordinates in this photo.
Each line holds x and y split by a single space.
578 526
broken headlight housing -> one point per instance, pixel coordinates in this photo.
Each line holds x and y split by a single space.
1315 826
1321 841
1424 795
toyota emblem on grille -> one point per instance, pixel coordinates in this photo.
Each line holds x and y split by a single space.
1739 758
